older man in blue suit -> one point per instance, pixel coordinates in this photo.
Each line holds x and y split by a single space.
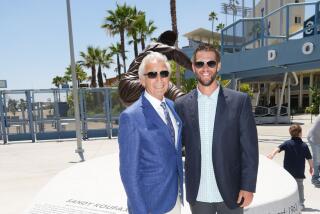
221 142
150 147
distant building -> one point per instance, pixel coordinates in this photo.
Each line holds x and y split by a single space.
269 88
111 82
277 23
198 36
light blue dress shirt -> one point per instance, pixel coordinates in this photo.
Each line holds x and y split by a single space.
208 189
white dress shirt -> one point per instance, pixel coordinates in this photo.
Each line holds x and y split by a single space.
156 104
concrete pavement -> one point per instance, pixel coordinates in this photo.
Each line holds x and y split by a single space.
270 136
26 167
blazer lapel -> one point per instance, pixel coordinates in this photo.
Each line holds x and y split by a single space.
194 114
152 117
178 121
220 117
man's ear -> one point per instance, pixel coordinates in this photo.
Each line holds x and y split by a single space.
218 66
193 68
141 79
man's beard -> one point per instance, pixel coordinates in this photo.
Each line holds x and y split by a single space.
206 83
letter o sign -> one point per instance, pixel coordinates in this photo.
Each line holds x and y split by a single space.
307 48
272 54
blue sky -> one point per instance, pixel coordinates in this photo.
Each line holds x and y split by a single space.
34 44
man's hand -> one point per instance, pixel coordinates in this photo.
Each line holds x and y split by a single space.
270 156
311 170
246 197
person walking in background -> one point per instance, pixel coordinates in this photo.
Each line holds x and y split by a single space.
220 138
150 146
314 141
296 152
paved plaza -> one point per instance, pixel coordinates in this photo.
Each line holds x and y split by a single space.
26 167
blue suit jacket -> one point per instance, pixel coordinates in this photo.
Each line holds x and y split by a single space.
150 165
234 145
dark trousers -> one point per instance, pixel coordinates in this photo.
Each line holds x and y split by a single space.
213 208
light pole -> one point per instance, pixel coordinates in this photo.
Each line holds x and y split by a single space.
79 149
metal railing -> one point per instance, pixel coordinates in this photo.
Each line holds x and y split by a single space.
250 33
263 111
48 114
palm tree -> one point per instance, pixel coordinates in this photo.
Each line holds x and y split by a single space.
233 6
144 29
104 60
89 60
133 28
212 18
117 22
219 27
81 75
57 81
173 13
12 106
116 50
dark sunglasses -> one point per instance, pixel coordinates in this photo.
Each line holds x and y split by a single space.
200 64
154 74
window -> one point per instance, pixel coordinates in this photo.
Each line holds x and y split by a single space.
297 20
306 83
296 1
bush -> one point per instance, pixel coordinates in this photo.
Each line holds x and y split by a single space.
315 95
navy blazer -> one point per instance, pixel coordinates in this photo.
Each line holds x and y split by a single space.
150 164
235 144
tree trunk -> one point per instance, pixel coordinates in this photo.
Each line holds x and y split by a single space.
123 50
93 77
119 66
173 16
175 29
212 33
143 46
100 79
135 45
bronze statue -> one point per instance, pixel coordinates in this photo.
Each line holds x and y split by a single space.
129 86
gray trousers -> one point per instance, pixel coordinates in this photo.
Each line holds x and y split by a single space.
213 208
316 160
301 190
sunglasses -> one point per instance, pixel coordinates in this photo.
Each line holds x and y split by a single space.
154 74
200 64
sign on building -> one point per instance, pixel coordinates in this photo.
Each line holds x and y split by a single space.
310 23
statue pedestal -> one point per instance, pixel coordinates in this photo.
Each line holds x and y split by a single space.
94 187
276 192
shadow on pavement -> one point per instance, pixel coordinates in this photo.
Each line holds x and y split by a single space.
309 209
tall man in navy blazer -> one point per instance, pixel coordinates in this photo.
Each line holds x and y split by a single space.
150 146
220 138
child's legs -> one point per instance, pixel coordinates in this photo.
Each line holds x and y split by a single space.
301 190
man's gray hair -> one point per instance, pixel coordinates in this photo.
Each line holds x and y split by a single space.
153 57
